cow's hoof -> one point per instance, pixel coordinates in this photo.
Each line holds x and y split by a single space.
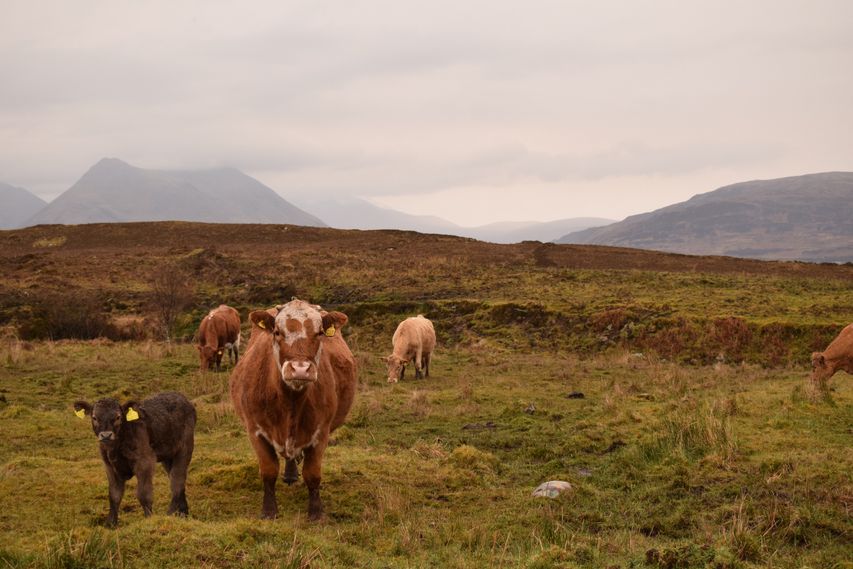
316 516
268 515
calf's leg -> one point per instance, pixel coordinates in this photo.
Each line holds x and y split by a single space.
145 485
116 493
178 483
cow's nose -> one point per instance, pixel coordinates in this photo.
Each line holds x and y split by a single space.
105 435
300 370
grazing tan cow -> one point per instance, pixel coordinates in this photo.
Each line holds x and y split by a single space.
837 356
414 340
293 387
219 331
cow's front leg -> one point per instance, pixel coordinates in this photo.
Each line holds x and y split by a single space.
311 473
268 466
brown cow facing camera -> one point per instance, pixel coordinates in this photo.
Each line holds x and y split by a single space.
218 332
837 356
135 436
293 387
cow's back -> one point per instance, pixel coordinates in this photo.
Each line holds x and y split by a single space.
415 332
842 346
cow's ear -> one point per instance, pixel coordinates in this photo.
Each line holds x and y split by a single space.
818 360
263 320
82 408
131 411
333 321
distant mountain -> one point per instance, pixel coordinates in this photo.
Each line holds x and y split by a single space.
18 206
515 232
113 191
807 218
356 213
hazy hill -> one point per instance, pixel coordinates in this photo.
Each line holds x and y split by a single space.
807 218
355 213
113 191
18 206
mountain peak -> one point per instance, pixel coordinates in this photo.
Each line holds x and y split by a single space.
115 191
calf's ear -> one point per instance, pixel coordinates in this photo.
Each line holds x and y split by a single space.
263 320
333 321
131 411
82 408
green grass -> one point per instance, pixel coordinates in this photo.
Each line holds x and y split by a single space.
672 466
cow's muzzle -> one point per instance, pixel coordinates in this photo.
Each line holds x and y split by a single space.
299 371
106 436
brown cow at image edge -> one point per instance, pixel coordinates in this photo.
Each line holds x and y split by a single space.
837 356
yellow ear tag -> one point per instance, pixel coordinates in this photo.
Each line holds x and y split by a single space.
261 324
81 413
330 331
132 415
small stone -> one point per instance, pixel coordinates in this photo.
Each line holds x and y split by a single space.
551 489
531 409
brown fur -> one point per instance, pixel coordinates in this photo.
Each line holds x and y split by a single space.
837 356
282 420
218 331
414 340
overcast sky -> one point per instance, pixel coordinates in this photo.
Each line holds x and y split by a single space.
477 111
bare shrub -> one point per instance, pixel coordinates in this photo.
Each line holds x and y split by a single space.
171 293
65 314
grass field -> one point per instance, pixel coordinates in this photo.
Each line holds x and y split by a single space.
689 448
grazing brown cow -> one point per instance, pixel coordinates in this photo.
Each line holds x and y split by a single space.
294 386
837 356
135 436
414 340
219 331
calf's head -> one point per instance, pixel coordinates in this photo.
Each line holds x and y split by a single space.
108 417
297 339
396 367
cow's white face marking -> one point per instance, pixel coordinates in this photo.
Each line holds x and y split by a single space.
299 313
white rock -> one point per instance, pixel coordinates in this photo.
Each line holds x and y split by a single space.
551 489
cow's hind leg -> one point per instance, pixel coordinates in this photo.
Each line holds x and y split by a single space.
426 363
311 472
268 466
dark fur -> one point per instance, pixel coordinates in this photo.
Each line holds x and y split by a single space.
163 433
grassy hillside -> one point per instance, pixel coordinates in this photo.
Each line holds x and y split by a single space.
697 442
